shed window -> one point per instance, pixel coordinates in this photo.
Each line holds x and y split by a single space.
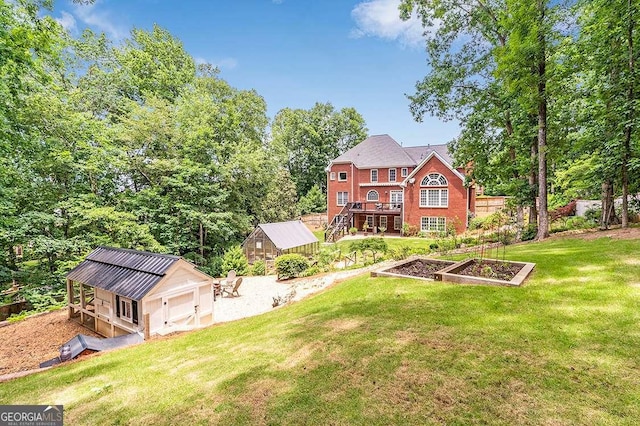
126 310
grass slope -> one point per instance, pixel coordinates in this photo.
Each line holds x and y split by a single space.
563 349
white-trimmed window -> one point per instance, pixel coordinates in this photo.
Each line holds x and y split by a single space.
404 172
332 176
433 224
342 198
126 309
392 175
434 179
437 195
374 175
342 176
383 222
397 223
370 221
373 195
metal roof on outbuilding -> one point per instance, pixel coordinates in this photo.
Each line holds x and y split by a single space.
286 235
128 273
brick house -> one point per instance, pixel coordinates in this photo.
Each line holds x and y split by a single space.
386 185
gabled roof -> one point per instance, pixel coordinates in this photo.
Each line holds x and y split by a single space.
425 161
286 235
419 153
383 151
128 273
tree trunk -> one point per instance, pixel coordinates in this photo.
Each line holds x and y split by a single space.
607 204
201 240
543 214
533 181
628 129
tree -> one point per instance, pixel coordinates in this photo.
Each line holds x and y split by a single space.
488 68
280 202
305 141
313 202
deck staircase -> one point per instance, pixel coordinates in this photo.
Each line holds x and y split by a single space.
336 230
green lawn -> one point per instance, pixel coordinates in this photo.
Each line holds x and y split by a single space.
413 243
563 349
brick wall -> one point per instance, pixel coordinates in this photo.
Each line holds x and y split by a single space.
455 212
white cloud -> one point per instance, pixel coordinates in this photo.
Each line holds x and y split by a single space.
67 21
223 63
381 18
99 19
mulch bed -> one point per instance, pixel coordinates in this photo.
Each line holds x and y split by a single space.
29 342
422 268
487 269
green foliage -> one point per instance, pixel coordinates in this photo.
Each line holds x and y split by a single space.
279 204
291 265
372 245
529 232
328 255
353 230
399 253
305 141
259 267
313 202
234 259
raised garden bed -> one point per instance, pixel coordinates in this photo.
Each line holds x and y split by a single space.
486 271
470 271
415 268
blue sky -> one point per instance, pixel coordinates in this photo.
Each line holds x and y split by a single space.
292 52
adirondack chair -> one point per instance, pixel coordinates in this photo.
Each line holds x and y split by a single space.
231 277
232 288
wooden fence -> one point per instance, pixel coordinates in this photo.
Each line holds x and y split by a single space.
487 205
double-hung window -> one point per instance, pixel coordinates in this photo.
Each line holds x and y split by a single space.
392 175
343 198
433 224
374 175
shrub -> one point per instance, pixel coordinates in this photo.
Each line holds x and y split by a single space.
314 270
400 252
234 259
259 268
409 230
291 265
529 232
353 230
327 256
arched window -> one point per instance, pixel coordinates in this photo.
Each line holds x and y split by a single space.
373 196
434 179
436 197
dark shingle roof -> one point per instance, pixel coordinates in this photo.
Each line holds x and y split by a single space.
286 235
419 153
128 273
383 151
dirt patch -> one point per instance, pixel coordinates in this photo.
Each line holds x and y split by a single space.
259 394
504 271
344 324
27 343
423 268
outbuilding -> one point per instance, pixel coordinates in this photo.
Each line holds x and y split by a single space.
118 291
270 240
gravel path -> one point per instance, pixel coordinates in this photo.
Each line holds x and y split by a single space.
257 293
